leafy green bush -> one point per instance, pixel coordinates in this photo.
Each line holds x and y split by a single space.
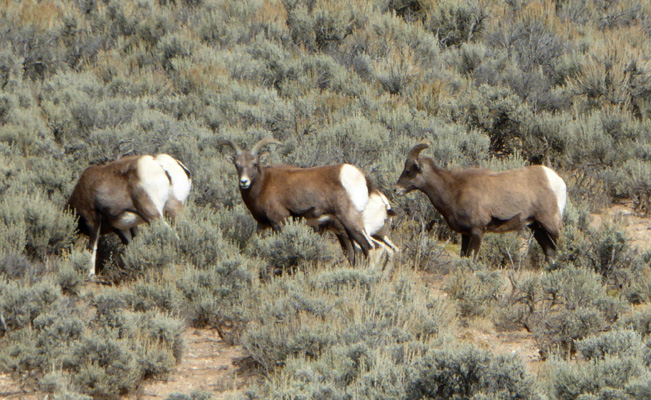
562 307
195 395
455 23
203 234
21 304
72 273
37 227
607 252
148 345
317 326
15 266
239 225
213 297
469 373
639 321
616 366
153 295
297 245
633 181
155 248
428 251
318 26
476 291
610 344
498 113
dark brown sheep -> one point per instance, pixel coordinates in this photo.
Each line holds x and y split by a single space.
274 193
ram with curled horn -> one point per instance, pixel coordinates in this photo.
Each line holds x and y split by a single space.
477 201
336 195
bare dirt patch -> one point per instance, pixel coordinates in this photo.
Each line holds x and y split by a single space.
9 389
636 227
520 343
208 365
482 333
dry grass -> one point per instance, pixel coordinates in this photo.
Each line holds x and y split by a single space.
42 15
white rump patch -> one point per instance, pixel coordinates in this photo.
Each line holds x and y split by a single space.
181 183
154 182
375 214
354 182
558 187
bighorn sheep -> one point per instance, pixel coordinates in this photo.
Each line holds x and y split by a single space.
476 201
377 222
274 193
119 196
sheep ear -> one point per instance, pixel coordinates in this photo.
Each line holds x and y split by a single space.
230 158
263 158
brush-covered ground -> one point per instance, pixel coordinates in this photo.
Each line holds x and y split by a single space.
498 84
213 368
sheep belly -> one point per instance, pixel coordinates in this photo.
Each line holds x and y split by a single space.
126 220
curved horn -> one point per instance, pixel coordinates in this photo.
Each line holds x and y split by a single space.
263 142
415 151
238 149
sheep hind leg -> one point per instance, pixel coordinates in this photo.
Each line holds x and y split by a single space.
144 205
347 247
149 211
124 235
386 241
359 236
384 244
545 239
127 235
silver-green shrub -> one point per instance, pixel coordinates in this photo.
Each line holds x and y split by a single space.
616 367
297 245
562 307
469 373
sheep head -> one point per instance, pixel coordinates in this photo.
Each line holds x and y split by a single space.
248 163
411 177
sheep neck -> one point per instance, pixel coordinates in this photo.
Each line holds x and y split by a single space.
253 197
438 187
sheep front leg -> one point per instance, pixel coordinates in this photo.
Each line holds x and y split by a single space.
93 241
476 235
465 245
277 216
